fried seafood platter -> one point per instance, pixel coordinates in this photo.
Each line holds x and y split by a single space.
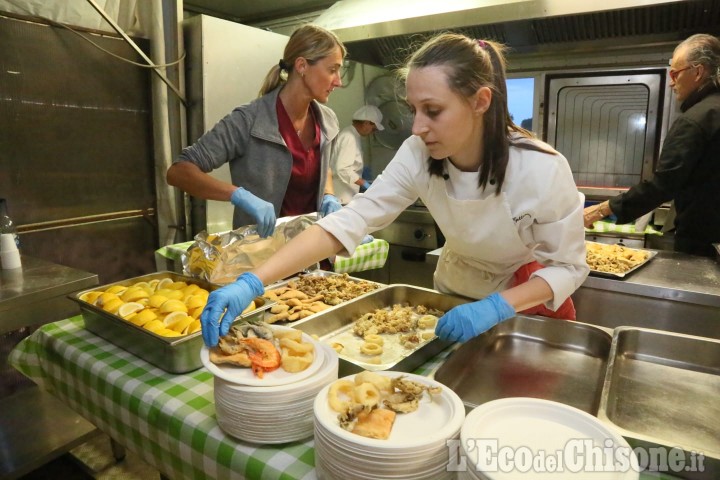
370 403
387 334
260 354
309 294
615 260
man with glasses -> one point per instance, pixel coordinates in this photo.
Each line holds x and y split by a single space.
688 170
346 157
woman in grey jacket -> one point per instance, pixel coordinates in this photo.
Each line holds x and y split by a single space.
278 145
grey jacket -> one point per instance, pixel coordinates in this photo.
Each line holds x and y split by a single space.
260 161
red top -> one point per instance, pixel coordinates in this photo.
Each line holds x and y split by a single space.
302 190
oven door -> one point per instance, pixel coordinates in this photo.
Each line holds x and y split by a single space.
607 126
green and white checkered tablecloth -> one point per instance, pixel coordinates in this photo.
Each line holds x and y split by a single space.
174 252
612 227
368 256
167 419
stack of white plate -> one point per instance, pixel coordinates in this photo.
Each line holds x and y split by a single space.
276 408
416 449
529 438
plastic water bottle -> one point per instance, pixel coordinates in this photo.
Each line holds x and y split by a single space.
6 223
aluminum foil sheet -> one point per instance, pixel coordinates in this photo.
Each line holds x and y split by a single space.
220 257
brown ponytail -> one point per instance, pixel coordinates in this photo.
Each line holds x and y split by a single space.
310 42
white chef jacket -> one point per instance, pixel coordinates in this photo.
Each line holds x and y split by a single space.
537 216
346 162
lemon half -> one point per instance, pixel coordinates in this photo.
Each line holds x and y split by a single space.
127 309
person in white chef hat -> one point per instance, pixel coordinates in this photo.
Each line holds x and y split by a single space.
505 202
346 155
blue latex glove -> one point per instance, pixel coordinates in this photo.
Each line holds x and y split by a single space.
367 239
466 321
329 204
365 186
263 212
367 172
235 298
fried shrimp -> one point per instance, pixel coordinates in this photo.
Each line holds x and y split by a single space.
263 355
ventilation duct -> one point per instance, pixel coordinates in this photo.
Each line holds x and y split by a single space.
382 32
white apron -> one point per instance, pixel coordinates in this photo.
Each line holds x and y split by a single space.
483 247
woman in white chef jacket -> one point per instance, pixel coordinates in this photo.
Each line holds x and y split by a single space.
506 203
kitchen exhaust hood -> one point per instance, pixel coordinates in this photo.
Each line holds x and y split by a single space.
381 32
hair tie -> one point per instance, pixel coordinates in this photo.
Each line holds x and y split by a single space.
481 43
283 65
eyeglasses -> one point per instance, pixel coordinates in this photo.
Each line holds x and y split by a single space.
674 73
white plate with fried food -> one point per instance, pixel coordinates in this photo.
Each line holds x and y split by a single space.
263 362
417 445
439 416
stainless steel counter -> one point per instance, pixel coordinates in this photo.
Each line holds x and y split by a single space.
36 293
674 292
670 275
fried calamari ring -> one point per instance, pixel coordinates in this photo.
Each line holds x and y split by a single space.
294 362
427 321
341 387
382 383
367 394
375 338
296 347
371 348
295 335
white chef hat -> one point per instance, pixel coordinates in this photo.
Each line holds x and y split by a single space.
370 113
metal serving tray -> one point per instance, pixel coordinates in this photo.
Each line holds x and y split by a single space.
315 273
172 354
339 320
529 356
598 273
664 389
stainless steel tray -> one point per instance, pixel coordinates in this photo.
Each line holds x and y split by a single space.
172 354
338 320
314 273
664 389
528 356
598 273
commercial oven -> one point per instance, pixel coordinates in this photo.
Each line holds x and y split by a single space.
607 124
